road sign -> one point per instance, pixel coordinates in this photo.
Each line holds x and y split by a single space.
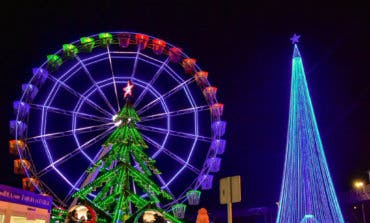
230 191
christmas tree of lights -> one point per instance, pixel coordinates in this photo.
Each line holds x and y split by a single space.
126 164
307 193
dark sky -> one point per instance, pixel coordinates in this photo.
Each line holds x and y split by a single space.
246 49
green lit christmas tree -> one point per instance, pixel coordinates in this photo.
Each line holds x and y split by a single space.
126 164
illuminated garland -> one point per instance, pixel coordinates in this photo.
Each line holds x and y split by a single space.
112 187
307 193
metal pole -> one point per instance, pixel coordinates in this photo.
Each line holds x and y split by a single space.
363 212
229 212
363 204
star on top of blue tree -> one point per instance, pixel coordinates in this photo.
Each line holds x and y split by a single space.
295 38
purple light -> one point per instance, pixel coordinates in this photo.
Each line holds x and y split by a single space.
39 76
17 128
218 146
29 91
295 38
21 109
218 128
214 164
206 181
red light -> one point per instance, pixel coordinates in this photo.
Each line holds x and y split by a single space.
124 39
128 89
158 46
189 65
141 40
175 54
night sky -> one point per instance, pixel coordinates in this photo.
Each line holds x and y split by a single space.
246 49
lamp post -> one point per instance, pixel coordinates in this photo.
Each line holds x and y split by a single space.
360 185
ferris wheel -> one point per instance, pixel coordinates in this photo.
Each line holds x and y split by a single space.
68 107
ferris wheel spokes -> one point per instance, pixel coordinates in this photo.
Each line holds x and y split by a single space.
174 113
150 83
170 154
87 100
57 201
75 152
113 78
70 113
95 84
54 135
174 133
177 88
163 183
135 63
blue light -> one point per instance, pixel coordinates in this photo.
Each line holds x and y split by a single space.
307 192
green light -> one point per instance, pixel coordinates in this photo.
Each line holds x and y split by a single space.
58 215
179 206
193 197
70 50
116 171
171 218
179 210
54 61
87 44
193 192
105 38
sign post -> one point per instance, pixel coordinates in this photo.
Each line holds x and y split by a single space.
230 192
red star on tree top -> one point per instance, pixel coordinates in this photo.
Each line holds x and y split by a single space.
128 89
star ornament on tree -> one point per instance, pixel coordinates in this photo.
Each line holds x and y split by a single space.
295 38
128 89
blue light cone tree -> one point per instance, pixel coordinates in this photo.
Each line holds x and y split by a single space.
307 193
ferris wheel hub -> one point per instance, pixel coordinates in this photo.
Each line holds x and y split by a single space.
117 122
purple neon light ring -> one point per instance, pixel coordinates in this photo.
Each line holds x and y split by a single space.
71 114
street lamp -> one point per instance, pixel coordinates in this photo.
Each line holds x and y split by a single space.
360 185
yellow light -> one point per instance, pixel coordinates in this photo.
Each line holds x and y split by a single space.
358 184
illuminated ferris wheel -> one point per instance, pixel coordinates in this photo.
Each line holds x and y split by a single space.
67 110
